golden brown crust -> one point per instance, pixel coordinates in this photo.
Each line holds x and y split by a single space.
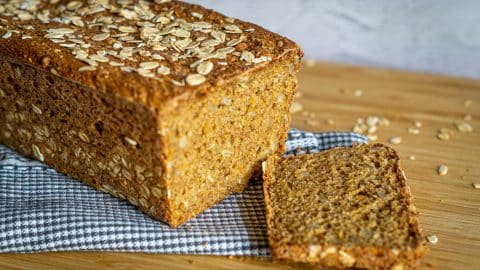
41 52
78 77
338 255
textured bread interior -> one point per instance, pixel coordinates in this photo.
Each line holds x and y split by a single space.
105 141
216 143
344 207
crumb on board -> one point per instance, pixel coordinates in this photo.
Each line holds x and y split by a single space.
395 140
442 170
433 239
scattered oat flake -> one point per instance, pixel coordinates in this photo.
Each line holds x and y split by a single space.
372 120
372 129
197 15
98 58
417 124
101 37
411 157
127 29
296 107
414 131
330 121
247 56
205 67
464 127
149 65
372 137
195 79
234 42
384 122
358 92
61 31
232 28
476 185
163 70
433 239
395 140
116 64
8 34
444 136
87 68
442 170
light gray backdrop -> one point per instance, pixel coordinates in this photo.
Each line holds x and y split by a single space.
436 36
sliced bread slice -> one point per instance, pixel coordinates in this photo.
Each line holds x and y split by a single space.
345 207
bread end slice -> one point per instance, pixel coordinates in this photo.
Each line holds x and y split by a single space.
345 207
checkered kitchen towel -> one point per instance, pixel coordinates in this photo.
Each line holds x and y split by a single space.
43 210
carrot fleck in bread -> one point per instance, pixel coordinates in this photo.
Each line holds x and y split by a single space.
345 207
166 104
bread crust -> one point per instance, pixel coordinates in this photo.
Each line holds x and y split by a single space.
42 53
133 106
338 256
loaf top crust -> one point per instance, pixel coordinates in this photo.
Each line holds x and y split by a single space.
148 51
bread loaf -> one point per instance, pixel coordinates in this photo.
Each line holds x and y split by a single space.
166 104
345 207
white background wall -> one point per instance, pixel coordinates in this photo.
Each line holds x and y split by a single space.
436 36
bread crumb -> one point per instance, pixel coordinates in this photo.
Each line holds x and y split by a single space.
358 92
310 62
442 170
296 107
467 117
395 140
330 121
384 122
476 185
411 157
313 123
433 239
417 124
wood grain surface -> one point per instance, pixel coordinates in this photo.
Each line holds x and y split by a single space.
449 205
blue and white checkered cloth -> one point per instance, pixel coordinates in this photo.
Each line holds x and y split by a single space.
43 210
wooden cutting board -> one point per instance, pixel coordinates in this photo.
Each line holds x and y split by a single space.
449 205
